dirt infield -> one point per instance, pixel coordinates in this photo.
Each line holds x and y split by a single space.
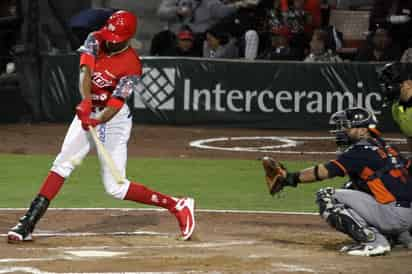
132 241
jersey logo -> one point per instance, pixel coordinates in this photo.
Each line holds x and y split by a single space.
99 80
156 89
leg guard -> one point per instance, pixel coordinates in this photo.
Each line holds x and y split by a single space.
324 199
342 218
27 223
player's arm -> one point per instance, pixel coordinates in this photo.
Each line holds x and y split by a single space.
313 174
107 114
88 51
85 81
123 90
88 54
317 173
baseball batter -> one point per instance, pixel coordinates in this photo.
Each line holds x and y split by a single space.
378 204
109 71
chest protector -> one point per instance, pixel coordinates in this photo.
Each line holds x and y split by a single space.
394 166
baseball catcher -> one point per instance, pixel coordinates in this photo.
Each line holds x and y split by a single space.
379 206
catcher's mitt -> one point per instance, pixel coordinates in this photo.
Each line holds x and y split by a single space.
275 174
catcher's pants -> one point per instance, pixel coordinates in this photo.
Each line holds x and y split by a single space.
385 218
114 135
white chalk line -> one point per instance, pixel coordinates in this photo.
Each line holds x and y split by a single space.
96 250
92 234
292 268
34 270
222 211
187 244
286 142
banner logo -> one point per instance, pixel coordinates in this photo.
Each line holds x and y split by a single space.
156 88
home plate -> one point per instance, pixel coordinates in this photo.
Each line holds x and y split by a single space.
95 253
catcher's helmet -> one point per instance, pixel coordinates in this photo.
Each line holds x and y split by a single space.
355 117
120 27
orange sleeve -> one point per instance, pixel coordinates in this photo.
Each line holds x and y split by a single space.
340 166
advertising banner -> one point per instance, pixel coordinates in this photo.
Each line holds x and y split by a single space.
253 94
229 93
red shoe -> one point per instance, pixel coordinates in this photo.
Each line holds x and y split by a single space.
185 214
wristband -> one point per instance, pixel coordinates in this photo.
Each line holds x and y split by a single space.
292 179
316 172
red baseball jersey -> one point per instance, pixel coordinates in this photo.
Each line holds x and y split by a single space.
113 75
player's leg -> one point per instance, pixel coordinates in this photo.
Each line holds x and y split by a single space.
75 147
340 214
386 218
115 135
390 219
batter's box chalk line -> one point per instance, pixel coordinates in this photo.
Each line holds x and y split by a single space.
285 143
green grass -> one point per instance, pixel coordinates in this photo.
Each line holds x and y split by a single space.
216 184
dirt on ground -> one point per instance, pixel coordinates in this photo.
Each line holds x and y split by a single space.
134 241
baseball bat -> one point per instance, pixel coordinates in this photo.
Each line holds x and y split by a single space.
106 157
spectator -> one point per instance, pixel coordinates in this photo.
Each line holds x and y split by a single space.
379 48
281 13
244 26
198 15
319 49
280 48
299 22
275 16
184 45
273 19
219 44
396 15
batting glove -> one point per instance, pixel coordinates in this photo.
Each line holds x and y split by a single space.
89 122
84 109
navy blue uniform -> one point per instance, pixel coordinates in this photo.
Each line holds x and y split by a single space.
382 202
375 169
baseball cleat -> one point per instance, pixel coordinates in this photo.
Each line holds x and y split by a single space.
13 237
366 250
184 212
19 233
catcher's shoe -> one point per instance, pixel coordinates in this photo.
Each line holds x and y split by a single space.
185 214
19 233
366 250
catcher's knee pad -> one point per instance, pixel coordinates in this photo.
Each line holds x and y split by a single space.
340 218
325 200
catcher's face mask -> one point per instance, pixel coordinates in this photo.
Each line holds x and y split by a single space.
349 118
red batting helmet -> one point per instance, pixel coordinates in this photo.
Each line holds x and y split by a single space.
120 27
